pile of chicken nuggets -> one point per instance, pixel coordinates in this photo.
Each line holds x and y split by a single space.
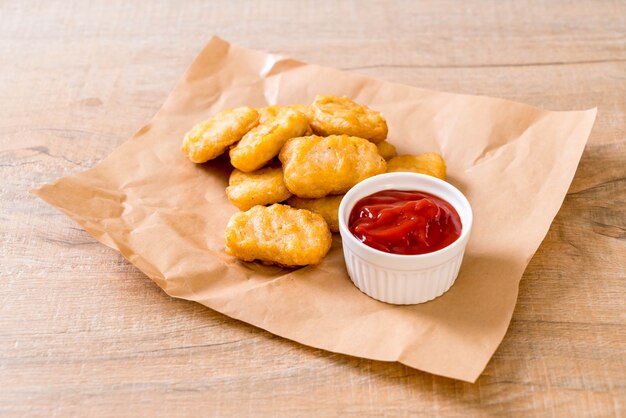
292 166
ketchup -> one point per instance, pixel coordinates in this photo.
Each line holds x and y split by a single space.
404 222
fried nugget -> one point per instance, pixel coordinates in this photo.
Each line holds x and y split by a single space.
260 187
327 207
386 150
315 166
341 116
267 113
270 112
264 142
429 163
305 109
278 234
210 138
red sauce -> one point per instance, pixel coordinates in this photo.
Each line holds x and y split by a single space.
405 222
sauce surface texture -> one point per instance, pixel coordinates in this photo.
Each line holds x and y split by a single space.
405 222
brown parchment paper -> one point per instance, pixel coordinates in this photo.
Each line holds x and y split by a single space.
167 215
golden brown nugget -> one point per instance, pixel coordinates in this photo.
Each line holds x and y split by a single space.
386 150
305 109
278 234
264 142
260 187
270 112
314 166
267 113
429 163
210 138
341 116
327 207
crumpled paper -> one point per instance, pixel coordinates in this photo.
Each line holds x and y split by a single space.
167 215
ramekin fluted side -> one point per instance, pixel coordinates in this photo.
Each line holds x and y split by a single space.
401 287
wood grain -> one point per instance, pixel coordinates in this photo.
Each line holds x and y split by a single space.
82 332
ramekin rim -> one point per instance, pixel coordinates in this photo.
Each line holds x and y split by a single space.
454 247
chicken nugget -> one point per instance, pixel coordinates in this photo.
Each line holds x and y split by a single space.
264 142
341 116
267 113
429 163
314 166
270 112
305 109
278 234
260 187
210 138
327 207
386 150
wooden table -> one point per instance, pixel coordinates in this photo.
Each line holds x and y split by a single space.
84 332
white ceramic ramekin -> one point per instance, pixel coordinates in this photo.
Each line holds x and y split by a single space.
403 279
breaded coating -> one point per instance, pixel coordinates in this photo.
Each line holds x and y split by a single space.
264 142
269 112
278 234
315 166
386 150
306 109
210 138
429 163
341 116
260 187
327 206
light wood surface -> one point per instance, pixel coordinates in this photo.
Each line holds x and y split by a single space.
83 332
